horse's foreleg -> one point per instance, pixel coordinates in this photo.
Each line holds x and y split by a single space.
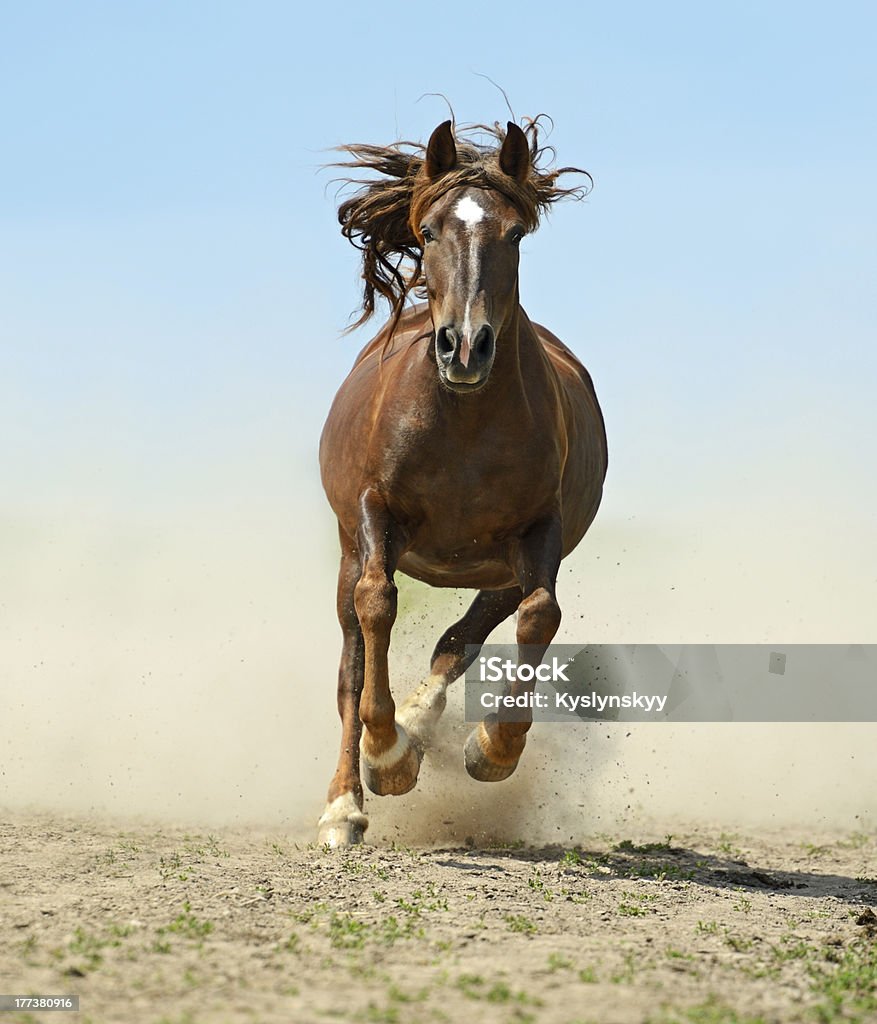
493 749
390 762
343 821
423 707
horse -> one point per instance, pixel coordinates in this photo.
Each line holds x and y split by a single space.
466 448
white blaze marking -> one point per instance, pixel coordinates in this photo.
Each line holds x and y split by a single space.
471 214
469 211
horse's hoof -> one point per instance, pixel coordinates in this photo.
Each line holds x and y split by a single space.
342 823
479 762
395 771
340 833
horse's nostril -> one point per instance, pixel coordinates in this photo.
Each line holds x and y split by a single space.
445 342
482 343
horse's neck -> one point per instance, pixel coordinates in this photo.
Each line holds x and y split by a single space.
520 357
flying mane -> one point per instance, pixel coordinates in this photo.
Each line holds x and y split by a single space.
382 216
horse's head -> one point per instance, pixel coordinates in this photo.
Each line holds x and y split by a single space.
450 215
470 237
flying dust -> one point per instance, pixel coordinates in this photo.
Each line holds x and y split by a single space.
183 669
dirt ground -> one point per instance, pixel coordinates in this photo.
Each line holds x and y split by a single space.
158 925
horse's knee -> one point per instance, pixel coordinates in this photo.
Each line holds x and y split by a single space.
375 601
538 618
347 617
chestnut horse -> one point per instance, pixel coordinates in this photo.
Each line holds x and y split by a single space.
466 447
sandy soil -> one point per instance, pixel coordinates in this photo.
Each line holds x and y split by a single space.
156 924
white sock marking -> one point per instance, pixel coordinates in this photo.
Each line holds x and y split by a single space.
423 708
343 808
391 756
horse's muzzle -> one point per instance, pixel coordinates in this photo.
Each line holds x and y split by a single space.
465 359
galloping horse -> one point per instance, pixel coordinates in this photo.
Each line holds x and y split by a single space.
466 447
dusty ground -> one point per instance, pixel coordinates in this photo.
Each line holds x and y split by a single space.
155 924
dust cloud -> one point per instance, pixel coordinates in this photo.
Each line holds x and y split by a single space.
169 667
182 668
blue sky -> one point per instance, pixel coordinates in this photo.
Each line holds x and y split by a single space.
173 284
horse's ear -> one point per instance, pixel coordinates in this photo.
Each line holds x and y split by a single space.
514 157
441 152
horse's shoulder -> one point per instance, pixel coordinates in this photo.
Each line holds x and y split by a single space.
412 323
562 357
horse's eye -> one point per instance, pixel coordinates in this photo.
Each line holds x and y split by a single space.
516 235
428 236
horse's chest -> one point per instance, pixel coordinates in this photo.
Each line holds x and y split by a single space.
460 500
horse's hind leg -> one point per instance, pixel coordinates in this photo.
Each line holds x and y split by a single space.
423 707
493 749
343 822
390 762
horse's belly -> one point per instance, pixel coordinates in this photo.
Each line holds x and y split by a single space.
461 570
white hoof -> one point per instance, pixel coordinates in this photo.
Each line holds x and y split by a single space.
342 823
